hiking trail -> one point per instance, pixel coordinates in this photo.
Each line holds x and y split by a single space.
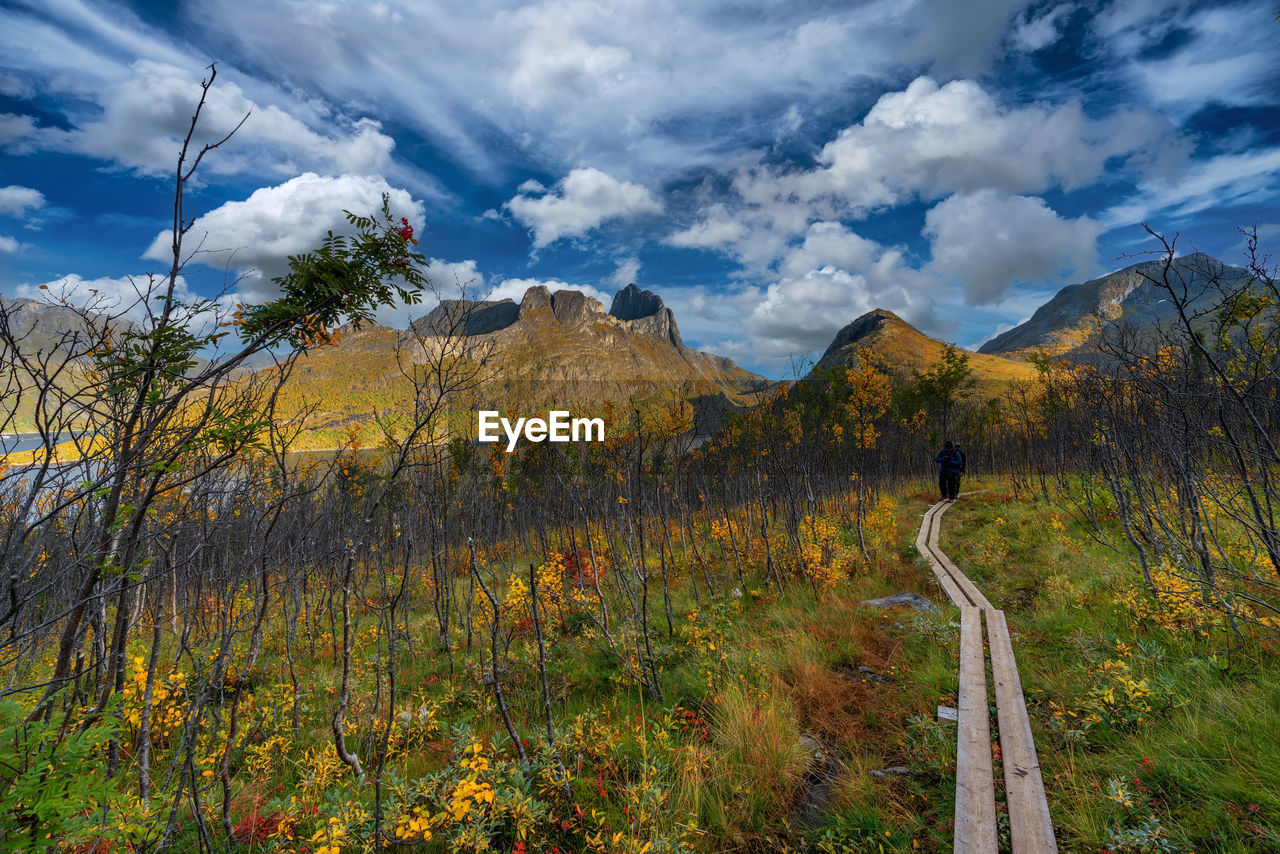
1030 827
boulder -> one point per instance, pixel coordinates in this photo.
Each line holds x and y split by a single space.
911 600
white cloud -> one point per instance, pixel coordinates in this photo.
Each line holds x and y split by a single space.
797 317
826 281
627 272
926 142
717 229
449 280
1220 182
552 64
987 242
961 38
929 141
1031 34
572 81
514 289
144 117
8 244
16 201
1225 53
830 277
257 235
585 199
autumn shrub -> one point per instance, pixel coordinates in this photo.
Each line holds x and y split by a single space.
757 760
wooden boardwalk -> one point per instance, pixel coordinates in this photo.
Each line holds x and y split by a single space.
1030 827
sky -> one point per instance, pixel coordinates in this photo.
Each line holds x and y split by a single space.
771 169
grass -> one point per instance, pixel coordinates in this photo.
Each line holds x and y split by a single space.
1185 755
768 733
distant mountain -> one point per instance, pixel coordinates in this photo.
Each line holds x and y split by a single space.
41 326
898 348
558 349
1070 324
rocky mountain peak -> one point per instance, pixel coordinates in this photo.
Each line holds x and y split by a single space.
535 298
1078 314
644 311
574 307
857 333
633 303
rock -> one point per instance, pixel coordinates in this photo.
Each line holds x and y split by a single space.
913 600
869 675
818 785
632 303
862 673
813 746
492 316
535 298
643 311
572 308
893 771
468 317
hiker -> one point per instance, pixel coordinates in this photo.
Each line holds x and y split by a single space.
950 463
964 460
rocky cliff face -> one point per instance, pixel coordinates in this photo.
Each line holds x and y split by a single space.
1071 323
644 312
564 346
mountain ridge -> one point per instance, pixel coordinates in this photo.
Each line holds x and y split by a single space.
1071 322
897 348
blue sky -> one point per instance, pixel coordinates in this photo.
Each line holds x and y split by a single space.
772 169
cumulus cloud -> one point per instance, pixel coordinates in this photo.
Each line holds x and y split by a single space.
138 124
795 318
584 200
565 81
826 281
16 201
831 276
987 242
257 235
8 244
928 141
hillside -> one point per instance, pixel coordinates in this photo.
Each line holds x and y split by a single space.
898 348
560 350
1071 323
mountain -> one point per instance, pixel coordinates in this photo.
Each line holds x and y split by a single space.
550 350
1070 324
898 348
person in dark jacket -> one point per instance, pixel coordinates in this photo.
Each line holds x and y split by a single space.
950 464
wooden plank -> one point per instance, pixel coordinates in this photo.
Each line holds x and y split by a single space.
1030 826
970 591
975 825
922 545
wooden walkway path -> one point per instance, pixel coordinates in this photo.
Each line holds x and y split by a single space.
1030 827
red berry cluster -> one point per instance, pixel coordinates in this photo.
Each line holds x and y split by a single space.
406 230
